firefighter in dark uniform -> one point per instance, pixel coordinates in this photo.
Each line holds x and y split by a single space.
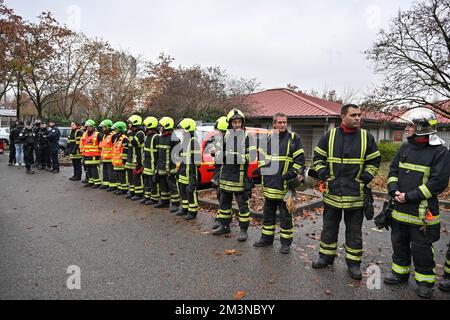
119 156
108 177
166 167
191 158
28 139
221 126
89 146
347 159
74 150
42 154
238 151
151 189
53 145
134 160
418 174
278 168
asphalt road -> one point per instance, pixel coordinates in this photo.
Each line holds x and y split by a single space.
129 251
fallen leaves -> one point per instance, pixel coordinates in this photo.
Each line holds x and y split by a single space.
230 252
239 295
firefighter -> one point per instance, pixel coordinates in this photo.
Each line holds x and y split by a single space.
108 180
191 158
151 189
278 168
221 126
134 160
239 151
119 156
347 159
74 150
166 168
444 285
417 175
91 154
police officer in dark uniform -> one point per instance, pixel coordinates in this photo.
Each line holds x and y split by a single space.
27 137
53 145
418 174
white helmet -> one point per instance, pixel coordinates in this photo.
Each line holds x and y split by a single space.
424 121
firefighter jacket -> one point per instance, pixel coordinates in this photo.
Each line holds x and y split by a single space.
119 150
239 150
191 158
150 153
347 162
74 143
282 153
90 145
136 144
165 164
106 146
421 171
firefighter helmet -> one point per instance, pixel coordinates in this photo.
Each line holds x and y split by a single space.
120 126
89 123
187 124
235 114
151 123
135 120
106 123
221 124
167 123
424 121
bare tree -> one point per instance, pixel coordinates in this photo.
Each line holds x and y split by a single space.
414 57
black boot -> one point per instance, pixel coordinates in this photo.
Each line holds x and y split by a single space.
182 212
111 189
285 248
71 178
444 285
143 200
96 186
424 291
41 167
355 271
85 180
162 204
88 185
216 224
221 230
150 202
29 171
263 242
174 208
129 195
322 262
103 187
190 216
243 235
393 279
136 198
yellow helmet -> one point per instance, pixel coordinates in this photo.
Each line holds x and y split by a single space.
221 124
187 124
151 123
167 123
135 120
235 114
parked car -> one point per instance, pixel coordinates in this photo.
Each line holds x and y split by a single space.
4 135
63 140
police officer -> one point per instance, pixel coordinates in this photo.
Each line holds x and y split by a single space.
106 154
151 189
239 150
27 138
74 150
134 165
36 130
119 156
53 145
166 167
418 174
347 158
280 161
191 159
91 154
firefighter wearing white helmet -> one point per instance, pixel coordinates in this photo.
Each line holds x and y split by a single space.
191 158
166 168
134 159
239 150
151 189
417 175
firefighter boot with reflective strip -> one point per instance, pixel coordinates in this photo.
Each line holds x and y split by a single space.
216 223
444 285
263 242
243 235
221 230
163 204
190 216
149 202
394 279
354 271
323 262
424 290
174 208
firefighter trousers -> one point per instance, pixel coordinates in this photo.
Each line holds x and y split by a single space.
76 164
108 178
189 201
408 240
225 208
353 234
135 184
121 179
92 174
151 189
169 189
269 221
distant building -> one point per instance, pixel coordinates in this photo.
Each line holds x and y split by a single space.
7 116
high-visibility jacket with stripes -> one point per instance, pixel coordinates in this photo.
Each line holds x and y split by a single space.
74 144
165 164
347 162
421 171
239 149
91 149
119 151
191 158
106 147
287 155
136 145
150 153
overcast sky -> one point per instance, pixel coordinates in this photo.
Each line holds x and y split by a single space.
312 44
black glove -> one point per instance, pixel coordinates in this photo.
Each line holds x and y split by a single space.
384 219
368 203
289 175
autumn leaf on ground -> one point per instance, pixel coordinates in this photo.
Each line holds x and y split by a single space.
230 252
239 295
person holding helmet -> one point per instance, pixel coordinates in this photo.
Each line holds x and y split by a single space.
239 150
417 175
151 190
134 160
91 154
119 156
166 167
74 150
108 181
191 158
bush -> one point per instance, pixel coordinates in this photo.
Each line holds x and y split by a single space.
388 150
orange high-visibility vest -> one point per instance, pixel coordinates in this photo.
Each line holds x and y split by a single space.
117 152
106 146
90 146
